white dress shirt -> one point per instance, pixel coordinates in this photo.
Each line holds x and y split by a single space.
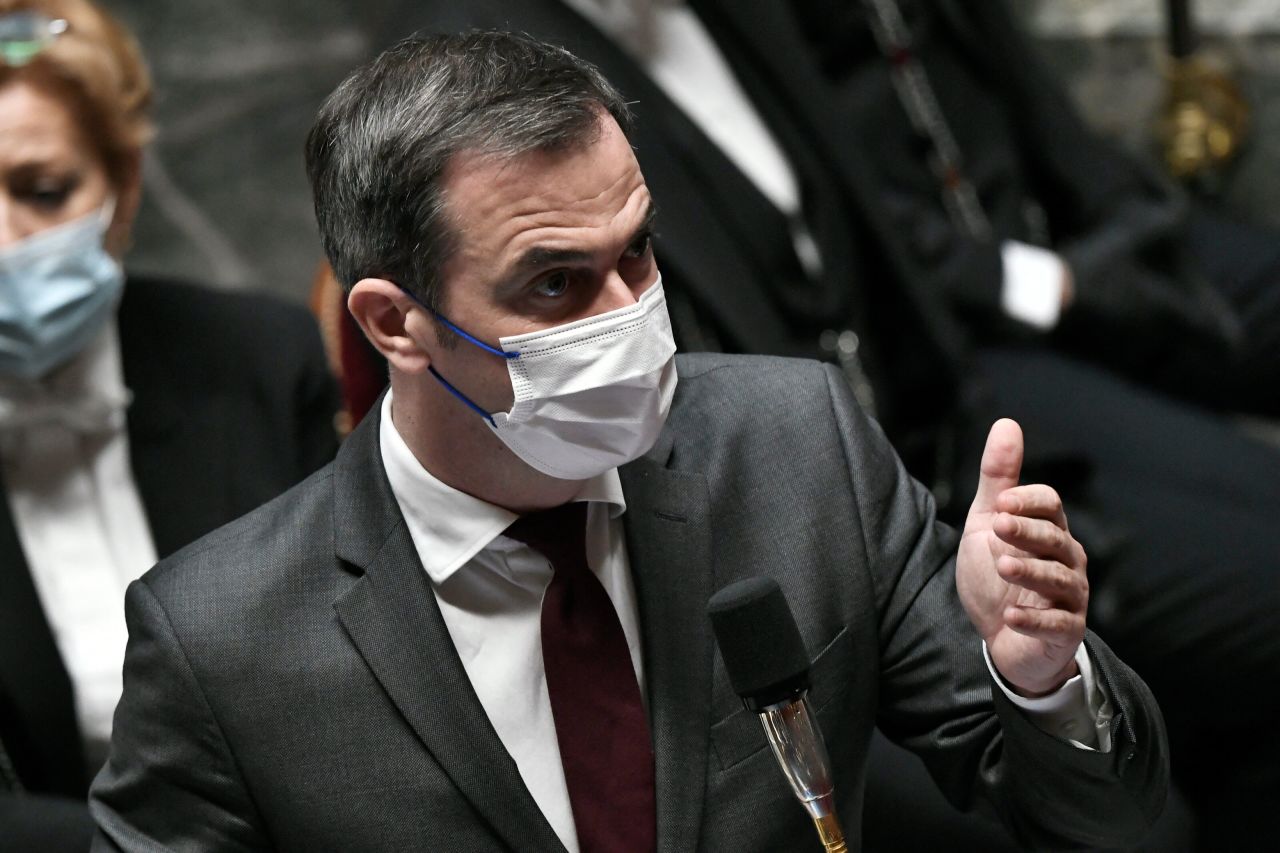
490 592
685 63
65 454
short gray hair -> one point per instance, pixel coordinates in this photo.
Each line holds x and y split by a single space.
382 140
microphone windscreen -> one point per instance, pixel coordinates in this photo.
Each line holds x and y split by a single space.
759 641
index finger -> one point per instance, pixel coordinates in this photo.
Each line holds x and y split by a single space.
1035 500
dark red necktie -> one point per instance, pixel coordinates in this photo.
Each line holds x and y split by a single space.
600 720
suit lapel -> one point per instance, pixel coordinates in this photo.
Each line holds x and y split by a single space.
669 547
393 619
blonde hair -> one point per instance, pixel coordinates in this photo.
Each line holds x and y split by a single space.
96 65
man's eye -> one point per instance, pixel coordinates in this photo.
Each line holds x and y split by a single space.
640 247
553 285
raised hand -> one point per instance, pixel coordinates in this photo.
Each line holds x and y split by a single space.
1019 572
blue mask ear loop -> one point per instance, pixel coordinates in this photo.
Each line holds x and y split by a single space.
463 397
470 339
467 337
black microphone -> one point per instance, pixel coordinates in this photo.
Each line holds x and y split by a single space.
769 669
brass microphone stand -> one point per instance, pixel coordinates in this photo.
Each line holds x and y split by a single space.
796 741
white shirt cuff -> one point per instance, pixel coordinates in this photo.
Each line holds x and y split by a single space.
1033 280
1078 712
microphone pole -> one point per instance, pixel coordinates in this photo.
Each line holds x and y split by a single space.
769 669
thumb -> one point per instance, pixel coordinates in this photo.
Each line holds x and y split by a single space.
1001 464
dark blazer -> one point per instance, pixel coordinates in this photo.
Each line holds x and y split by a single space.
232 404
292 685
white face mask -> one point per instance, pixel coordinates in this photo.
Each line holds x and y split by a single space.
589 395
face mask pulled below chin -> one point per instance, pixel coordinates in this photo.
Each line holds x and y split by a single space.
57 289
592 394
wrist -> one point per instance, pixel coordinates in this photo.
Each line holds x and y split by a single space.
1051 685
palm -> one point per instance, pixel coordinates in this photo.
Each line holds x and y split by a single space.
1019 574
986 596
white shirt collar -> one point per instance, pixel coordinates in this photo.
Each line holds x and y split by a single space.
450 527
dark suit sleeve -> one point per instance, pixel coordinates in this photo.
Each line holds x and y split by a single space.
936 694
170 782
1119 225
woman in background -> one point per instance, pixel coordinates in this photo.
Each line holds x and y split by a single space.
135 416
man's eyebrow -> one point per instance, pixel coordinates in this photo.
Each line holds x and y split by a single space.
540 256
647 225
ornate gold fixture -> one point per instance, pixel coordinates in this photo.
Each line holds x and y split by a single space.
1203 121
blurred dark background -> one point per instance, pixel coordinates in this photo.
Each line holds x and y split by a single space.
238 82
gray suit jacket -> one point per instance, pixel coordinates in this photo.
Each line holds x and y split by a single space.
290 683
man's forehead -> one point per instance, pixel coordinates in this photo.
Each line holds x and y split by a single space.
511 218
536 256
592 178
513 159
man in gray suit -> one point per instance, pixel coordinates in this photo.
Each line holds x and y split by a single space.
482 627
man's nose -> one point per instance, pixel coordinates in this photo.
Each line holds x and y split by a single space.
619 292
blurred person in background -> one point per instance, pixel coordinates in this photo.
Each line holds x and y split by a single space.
135 415
903 189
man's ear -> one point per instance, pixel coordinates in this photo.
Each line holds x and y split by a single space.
385 314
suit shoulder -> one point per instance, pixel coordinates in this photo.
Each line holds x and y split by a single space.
752 379
277 542
751 406
754 406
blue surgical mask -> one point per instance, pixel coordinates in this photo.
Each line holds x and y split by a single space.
57 289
